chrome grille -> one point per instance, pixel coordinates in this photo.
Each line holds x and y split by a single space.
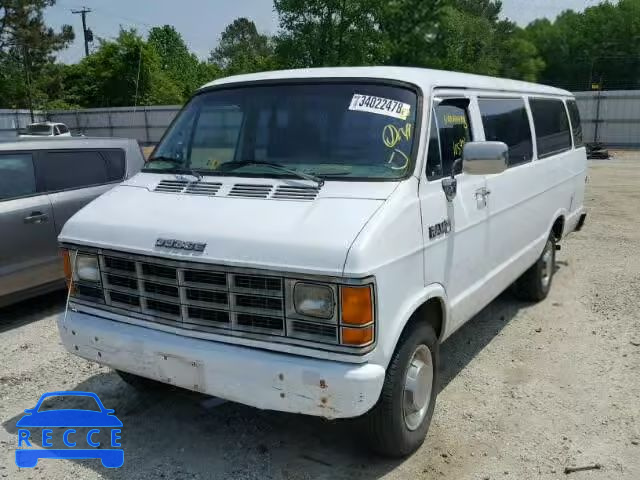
309 330
191 297
200 297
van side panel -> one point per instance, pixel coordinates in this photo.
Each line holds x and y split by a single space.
525 201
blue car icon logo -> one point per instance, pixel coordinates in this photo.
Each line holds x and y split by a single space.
65 422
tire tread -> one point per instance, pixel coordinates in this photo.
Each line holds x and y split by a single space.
380 422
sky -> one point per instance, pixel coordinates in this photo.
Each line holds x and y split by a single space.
202 21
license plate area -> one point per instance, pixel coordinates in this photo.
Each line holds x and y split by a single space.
180 371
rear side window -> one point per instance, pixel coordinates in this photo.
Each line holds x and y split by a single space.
576 126
71 169
552 126
506 120
116 165
17 177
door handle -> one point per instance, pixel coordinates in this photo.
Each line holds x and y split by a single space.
36 217
482 192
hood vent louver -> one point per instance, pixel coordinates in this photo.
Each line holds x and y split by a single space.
171 186
239 190
248 190
203 188
288 192
188 188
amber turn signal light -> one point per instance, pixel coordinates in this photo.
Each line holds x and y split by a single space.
357 305
66 263
357 336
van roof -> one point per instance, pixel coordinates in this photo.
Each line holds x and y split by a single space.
425 78
49 143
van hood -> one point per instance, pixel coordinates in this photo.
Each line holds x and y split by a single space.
279 232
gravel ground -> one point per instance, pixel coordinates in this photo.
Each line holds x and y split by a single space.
527 389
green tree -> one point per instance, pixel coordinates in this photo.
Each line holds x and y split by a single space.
207 72
465 43
489 9
471 38
409 30
519 57
242 49
182 66
317 33
122 72
600 45
27 46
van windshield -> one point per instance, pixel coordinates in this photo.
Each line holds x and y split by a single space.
342 130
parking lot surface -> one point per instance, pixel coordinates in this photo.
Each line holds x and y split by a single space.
526 391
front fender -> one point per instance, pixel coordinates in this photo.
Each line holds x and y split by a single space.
409 307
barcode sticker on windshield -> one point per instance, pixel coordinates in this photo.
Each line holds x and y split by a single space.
380 106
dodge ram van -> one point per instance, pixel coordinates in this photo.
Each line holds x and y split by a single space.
304 240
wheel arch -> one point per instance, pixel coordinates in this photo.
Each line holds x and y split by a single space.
558 227
429 306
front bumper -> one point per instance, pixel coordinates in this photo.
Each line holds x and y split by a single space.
262 379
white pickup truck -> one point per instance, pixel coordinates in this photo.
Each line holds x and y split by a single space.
45 129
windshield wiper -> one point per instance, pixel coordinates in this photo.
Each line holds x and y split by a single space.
241 163
180 168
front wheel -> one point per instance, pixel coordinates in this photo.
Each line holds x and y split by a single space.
398 424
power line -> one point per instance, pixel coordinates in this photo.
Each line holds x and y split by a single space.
88 34
142 25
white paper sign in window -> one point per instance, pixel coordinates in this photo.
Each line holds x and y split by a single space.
380 106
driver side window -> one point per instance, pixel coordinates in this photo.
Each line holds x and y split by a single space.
454 130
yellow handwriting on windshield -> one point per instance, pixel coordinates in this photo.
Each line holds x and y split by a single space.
392 135
398 155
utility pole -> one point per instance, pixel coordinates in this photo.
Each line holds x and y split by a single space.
27 76
88 34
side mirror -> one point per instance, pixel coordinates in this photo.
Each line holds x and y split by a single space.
485 158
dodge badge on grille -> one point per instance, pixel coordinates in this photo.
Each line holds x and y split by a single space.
180 244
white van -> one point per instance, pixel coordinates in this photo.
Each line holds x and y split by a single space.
304 240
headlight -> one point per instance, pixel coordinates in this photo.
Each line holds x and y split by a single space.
87 268
313 300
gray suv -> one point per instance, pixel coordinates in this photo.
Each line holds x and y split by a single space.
43 182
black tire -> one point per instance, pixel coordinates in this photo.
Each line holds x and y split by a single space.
143 384
384 426
532 286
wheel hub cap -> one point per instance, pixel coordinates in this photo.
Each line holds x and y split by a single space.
547 264
418 384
